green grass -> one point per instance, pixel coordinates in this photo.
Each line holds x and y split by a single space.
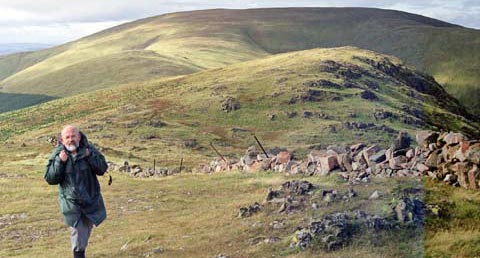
194 215
189 215
457 232
190 107
187 42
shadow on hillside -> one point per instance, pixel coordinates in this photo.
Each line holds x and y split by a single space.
12 101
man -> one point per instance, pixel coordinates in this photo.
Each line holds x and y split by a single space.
74 166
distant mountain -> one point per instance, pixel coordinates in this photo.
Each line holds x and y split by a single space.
188 42
10 48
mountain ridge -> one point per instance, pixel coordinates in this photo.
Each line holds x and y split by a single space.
213 38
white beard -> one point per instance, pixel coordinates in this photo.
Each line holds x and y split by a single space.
71 147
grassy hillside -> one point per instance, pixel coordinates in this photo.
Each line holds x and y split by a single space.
295 100
196 215
192 41
190 215
11 64
13 101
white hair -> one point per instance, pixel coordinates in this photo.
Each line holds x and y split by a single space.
70 127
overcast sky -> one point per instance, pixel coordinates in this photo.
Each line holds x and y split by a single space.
56 22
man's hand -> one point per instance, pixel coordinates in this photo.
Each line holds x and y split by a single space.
63 155
87 152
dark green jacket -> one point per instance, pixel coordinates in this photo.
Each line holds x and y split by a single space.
79 190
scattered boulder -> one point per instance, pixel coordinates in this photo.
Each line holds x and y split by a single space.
323 83
230 104
291 114
297 187
329 66
333 231
156 123
410 210
190 143
249 210
290 196
368 95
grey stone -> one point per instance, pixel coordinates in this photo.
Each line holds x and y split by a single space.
379 156
374 196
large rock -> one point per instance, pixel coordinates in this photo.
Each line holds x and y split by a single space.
379 156
345 162
357 166
433 159
340 149
298 168
448 152
369 152
357 147
315 155
422 168
410 153
424 138
461 170
396 162
327 164
464 146
473 177
284 157
454 138
266 164
473 153
401 142
250 156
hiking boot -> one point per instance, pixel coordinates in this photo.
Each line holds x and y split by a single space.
79 254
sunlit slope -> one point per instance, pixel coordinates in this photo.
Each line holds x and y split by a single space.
133 53
295 100
11 64
187 42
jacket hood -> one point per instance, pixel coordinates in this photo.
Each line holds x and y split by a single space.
83 140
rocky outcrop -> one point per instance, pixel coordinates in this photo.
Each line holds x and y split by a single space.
336 230
450 157
331 231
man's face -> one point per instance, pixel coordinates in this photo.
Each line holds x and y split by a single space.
71 139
